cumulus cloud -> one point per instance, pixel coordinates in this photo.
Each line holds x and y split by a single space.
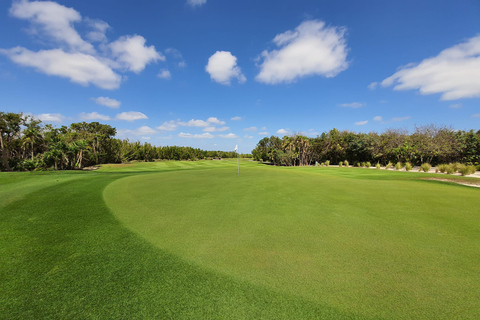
400 119
311 49
164 74
141 131
228 136
93 116
222 67
80 68
361 123
130 116
352 105
214 129
196 3
196 136
107 102
132 54
237 118
201 123
476 115
248 137
73 57
168 126
215 120
455 106
378 118
54 20
263 133
282 131
453 73
373 85
50 117
250 129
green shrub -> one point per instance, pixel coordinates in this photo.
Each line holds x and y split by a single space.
340 164
473 169
465 170
368 164
398 166
450 168
378 166
346 163
322 164
358 164
408 166
442 168
389 165
363 164
425 167
327 163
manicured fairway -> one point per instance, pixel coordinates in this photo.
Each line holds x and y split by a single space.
194 240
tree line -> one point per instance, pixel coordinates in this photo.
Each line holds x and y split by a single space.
28 144
426 144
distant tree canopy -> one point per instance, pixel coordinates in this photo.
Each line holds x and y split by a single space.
27 144
427 144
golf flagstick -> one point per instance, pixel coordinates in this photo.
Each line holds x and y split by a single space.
238 164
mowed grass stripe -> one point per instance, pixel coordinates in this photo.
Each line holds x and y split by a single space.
375 246
65 256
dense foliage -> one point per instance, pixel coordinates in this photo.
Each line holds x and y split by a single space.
427 144
27 144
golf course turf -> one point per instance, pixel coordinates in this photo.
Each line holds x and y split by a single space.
195 240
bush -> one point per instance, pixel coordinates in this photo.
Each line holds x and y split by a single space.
408 166
363 164
346 163
322 164
389 165
466 170
425 167
378 166
442 168
340 164
368 164
358 164
450 168
327 163
398 166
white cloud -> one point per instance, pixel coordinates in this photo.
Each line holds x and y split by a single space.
182 64
237 118
107 102
264 133
228 136
361 123
50 117
373 85
194 123
310 49
93 116
195 3
215 120
453 73
145 138
282 131
248 137
164 74
141 131
476 115
132 54
399 119
196 136
130 116
99 28
54 20
352 105
222 67
455 106
378 118
214 129
250 129
80 68
72 57
168 126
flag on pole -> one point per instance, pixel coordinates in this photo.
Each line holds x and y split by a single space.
236 147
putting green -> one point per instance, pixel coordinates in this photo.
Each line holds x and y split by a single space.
378 247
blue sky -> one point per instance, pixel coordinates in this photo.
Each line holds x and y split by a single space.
215 73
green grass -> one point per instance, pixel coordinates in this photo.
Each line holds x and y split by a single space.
192 240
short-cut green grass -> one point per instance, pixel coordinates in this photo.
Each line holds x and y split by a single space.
193 240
